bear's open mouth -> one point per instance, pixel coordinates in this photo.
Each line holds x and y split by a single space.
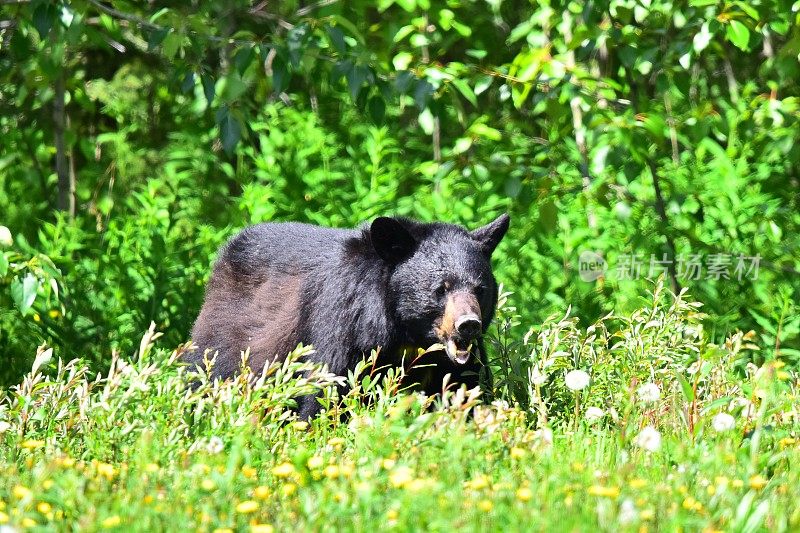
456 351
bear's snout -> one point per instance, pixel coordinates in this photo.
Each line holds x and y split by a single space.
460 325
468 326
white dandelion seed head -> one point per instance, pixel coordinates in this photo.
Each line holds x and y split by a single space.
593 414
723 422
648 393
577 380
628 513
215 445
648 439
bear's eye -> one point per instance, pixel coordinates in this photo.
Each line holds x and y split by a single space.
480 291
442 289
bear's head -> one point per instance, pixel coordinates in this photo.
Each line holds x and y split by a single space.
441 286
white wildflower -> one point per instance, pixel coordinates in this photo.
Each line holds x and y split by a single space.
215 445
4 426
723 422
628 513
537 377
648 439
6 239
576 380
544 436
593 414
649 393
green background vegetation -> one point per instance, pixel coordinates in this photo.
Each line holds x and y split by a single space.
136 137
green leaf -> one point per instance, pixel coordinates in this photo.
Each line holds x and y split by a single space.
280 74
355 79
24 292
377 109
336 37
686 387
230 130
171 44
464 88
43 18
243 58
3 265
208 87
738 34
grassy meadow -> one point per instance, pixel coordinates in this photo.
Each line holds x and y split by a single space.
649 443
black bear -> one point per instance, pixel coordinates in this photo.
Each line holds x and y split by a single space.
394 284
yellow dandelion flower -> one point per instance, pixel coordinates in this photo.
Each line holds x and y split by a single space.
388 464
331 471
66 462
106 470
111 522
787 441
721 481
223 530
647 514
283 470
208 484
300 425
418 485
568 500
690 504
148 499
478 483
247 507
392 514
637 483
485 505
401 476
315 461
4 518
262 528
363 486
29 523
47 484
758 482
336 442
347 470
21 493
711 490
262 492
54 313
524 494
578 467
339 497
288 489
737 483
518 453
31 444
604 492
249 472
44 507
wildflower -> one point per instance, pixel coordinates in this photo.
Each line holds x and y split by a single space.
111 521
649 393
524 494
31 444
21 493
288 489
604 492
392 514
315 462
627 512
262 528
647 514
593 414
6 239
544 436
787 441
576 380
4 426
262 492
518 453
480 482
737 483
44 507
247 507
249 472
485 505
388 464
29 523
4 518
207 485
152 468
106 470
758 482
648 439
723 422
300 425
283 470
336 442
637 483
331 471
215 445
400 476
47 484
537 377
690 504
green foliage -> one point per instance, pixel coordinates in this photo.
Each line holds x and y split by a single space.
665 129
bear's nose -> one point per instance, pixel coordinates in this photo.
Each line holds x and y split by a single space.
468 326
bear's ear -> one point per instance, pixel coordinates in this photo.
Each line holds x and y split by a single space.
490 235
390 239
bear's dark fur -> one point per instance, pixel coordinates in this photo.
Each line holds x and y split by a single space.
393 284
